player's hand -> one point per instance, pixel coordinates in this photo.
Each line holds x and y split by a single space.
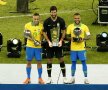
72 39
60 44
80 39
50 44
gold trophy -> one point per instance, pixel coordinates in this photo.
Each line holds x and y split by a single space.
55 35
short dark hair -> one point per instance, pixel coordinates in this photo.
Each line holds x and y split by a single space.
53 8
36 14
76 14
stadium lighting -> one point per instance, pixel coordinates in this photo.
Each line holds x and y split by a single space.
104 35
102 41
15 41
14 47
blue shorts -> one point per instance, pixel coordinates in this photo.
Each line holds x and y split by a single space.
33 52
75 55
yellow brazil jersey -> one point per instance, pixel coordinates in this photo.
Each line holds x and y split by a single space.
36 32
77 46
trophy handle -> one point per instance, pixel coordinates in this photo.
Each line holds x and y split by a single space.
58 31
28 35
36 42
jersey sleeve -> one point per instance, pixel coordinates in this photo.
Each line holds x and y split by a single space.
63 25
42 28
68 30
45 26
87 30
26 27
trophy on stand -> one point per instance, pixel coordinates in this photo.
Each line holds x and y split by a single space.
55 35
27 34
77 32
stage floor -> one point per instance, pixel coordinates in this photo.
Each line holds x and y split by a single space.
16 73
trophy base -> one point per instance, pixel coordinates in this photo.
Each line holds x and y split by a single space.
55 44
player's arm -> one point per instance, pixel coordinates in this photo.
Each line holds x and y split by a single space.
68 37
68 33
45 34
45 31
46 37
63 35
27 32
87 37
63 27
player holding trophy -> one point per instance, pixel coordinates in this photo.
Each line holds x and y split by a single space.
33 33
78 33
54 33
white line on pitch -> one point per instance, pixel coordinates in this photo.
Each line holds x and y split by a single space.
4 17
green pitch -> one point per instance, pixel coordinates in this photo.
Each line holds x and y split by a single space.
12 27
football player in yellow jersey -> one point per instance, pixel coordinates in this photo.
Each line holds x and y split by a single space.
33 33
78 33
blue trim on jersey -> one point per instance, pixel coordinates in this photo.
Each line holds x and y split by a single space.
33 52
75 55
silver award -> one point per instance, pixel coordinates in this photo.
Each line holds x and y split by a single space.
55 35
77 32
27 34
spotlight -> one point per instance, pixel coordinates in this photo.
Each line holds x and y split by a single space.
15 41
14 47
104 35
102 41
1 41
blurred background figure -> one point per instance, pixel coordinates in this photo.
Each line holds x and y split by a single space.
2 2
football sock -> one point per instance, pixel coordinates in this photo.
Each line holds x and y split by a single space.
62 65
28 70
73 68
49 68
39 72
84 68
